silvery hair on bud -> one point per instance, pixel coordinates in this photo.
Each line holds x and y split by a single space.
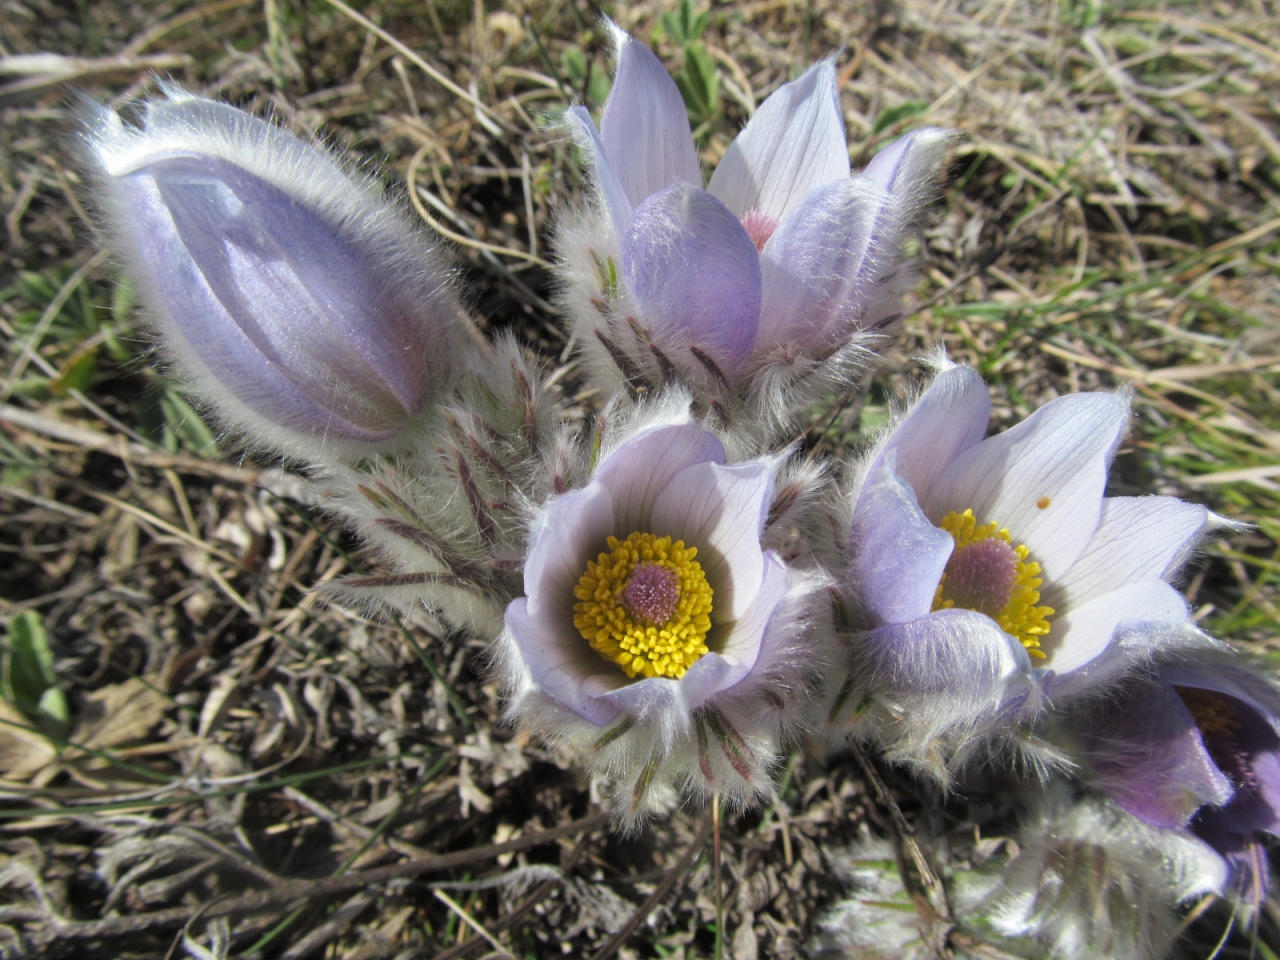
289 295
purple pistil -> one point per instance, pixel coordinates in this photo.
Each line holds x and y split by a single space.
652 594
981 576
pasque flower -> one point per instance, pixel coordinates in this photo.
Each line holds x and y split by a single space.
1197 744
296 300
658 633
988 571
783 250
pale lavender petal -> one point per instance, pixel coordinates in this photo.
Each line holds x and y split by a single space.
955 654
645 127
795 141
275 274
950 418
570 531
899 555
811 266
611 190
639 470
721 511
1147 754
562 669
909 167
1043 479
1138 538
1079 635
695 274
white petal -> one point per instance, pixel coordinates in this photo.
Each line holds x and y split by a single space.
795 142
1043 479
1085 632
950 418
645 127
565 669
612 194
570 531
637 471
721 511
1138 538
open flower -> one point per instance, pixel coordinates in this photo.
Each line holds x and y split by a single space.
783 250
977 564
1197 744
300 304
657 635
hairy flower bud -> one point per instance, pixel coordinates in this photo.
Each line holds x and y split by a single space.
296 301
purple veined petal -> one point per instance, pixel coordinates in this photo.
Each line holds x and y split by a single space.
1138 538
900 556
721 511
571 530
1147 754
957 654
564 671
950 418
207 336
695 275
232 222
645 127
639 470
1079 635
611 190
795 141
909 167
810 267
1043 479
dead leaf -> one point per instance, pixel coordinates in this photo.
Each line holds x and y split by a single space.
22 751
118 713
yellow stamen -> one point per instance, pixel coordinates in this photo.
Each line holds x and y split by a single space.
1209 712
662 646
1020 616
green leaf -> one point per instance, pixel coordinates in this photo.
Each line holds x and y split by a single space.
683 26
574 64
27 677
167 420
77 373
699 84
892 116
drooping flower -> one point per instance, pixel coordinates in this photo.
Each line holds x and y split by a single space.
1196 744
783 256
298 303
659 637
988 572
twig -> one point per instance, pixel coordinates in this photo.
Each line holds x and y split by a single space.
674 875
292 891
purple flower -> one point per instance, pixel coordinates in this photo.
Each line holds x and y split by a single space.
1197 744
657 634
296 300
978 564
783 250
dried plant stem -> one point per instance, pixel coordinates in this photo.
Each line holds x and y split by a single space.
59 939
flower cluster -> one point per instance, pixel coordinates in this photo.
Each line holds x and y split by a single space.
675 597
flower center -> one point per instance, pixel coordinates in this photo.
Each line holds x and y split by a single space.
645 605
1219 726
759 227
991 575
